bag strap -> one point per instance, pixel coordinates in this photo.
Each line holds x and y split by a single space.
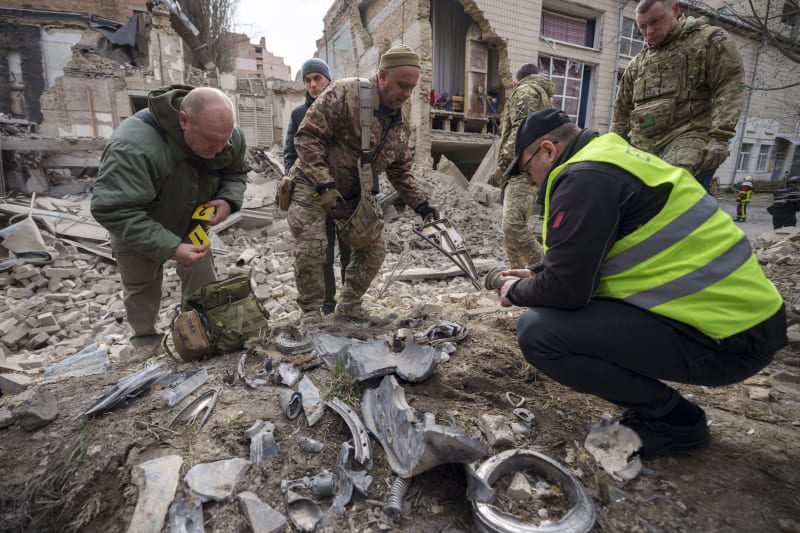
169 332
366 113
145 116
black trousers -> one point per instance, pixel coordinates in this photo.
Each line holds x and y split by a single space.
621 353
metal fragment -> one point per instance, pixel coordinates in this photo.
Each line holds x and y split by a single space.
362 451
202 404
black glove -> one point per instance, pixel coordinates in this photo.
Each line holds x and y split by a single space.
427 211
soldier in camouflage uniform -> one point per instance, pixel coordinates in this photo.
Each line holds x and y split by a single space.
326 177
681 96
532 92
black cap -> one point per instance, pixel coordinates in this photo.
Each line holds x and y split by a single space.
534 126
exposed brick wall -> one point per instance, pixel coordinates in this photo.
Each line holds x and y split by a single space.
117 10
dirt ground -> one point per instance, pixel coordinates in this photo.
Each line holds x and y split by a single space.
75 473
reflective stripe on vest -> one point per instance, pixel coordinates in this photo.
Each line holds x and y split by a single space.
690 262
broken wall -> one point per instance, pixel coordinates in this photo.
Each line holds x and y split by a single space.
116 10
22 66
95 93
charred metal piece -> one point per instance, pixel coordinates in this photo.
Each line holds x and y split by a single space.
516 400
367 360
183 385
322 484
495 279
285 374
310 445
128 388
444 331
262 443
411 446
291 403
186 515
488 518
361 448
293 339
525 416
443 236
202 404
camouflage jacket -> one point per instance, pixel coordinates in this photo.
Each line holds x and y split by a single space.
688 89
328 143
531 94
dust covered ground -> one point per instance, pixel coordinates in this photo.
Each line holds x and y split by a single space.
75 473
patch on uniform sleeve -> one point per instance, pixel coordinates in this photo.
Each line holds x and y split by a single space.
558 219
522 109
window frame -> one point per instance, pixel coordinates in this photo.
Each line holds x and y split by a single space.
763 158
590 29
744 156
630 39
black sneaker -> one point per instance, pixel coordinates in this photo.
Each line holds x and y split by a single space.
328 308
660 438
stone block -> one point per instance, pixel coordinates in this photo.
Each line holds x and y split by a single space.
16 334
14 383
47 319
19 293
7 325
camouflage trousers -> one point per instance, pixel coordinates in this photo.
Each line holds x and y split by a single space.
307 224
522 248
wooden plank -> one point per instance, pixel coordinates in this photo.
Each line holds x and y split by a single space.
55 160
33 144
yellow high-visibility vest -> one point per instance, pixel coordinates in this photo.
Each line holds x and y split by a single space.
690 262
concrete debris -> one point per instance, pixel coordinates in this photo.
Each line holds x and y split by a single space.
613 446
14 383
35 408
157 481
216 481
497 430
6 418
261 517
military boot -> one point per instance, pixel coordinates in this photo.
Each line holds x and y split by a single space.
352 313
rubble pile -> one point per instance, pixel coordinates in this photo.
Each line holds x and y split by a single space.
53 311
778 251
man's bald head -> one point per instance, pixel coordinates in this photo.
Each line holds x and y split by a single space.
202 98
207 119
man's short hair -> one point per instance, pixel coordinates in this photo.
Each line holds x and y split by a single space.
526 70
644 5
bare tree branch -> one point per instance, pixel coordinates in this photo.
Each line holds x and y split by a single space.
214 19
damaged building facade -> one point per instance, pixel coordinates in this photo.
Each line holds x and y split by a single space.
75 74
470 50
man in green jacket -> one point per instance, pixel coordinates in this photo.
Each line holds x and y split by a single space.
644 280
158 167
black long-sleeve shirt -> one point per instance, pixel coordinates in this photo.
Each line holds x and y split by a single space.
289 153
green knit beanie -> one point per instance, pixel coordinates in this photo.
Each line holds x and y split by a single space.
399 56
